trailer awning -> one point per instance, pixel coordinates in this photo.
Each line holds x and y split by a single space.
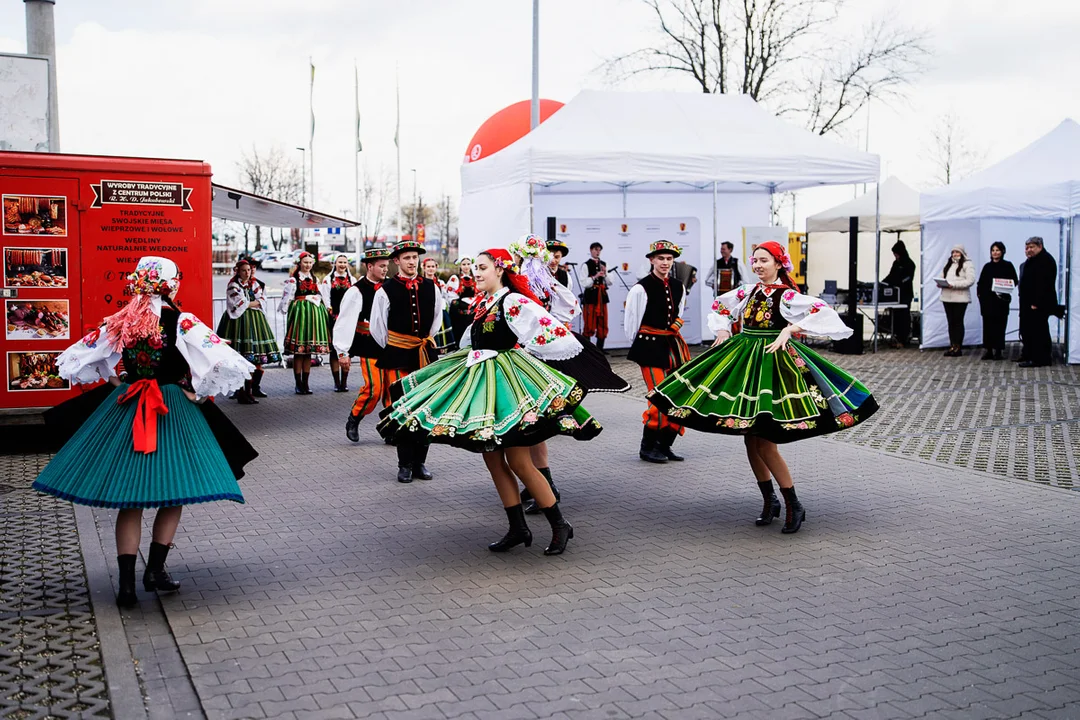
246 207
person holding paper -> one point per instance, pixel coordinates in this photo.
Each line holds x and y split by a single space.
1038 301
955 283
997 281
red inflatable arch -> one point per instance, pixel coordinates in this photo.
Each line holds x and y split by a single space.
505 127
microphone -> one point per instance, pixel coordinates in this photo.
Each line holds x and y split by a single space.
570 264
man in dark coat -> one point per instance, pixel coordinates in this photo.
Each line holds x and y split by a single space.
1038 301
901 276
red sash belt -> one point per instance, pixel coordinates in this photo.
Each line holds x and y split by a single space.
363 327
681 347
151 404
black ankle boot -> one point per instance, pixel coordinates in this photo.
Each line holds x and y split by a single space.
405 462
519 533
771 508
256 384
304 381
299 377
648 451
531 508
244 396
125 596
419 469
665 439
795 512
344 381
337 379
352 428
561 531
155 577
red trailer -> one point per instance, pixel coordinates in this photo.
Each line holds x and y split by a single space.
73 227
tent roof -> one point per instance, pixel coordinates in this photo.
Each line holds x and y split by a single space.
899 211
246 207
1042 181
668 137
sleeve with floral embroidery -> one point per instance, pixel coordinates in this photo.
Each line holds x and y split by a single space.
91 359
727 306
215 367
453 287
538 331
812 316
564 304
288 292
236 300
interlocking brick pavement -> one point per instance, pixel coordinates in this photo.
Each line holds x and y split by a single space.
913 590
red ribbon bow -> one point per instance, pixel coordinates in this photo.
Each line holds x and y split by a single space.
151 404
410 283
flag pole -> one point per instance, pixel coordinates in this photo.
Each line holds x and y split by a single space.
311 141
534 116
397 145
356 161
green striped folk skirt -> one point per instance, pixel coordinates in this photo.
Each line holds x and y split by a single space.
737 388
306 333
251 336
510 400
99 466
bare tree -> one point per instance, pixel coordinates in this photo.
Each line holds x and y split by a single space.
778 52
374 192
446 220
413 215
273 174
951 151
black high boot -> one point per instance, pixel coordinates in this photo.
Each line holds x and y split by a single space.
561 531
519 533
600 345
299 377
405 462
352 428
244 396
648 451
156 577
419 469
125 596
337 379
304 379
771 508
256 384
531 508
795 512
665 438
344 381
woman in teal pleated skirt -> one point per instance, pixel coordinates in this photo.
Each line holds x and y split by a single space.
763 385
146 441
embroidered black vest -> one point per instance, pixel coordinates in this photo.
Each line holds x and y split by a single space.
597 293
338 288
165 363
491 330
762 311
363 345
411 313
563 277
661 310
306 286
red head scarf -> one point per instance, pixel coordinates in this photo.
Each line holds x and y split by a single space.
518 283
782 258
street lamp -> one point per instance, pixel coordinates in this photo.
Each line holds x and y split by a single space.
303 176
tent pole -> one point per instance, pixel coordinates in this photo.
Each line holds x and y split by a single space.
532 207
715 251
624 199
877 256
1064 265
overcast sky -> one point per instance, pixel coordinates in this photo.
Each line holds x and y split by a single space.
204 78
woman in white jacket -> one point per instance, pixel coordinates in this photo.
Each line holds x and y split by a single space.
959 273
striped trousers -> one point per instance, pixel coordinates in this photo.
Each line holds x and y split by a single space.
376 387
651 417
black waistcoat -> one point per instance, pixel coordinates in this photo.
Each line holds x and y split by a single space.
411 313
563 277
491 331
597 293
661 310
363 345
338 287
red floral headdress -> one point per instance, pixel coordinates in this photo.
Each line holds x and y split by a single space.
518 282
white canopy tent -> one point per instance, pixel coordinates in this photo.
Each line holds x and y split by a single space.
243 206
717 158
899 214
1035 191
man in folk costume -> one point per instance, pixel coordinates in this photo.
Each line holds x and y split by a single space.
559 250
653 318
405 315
352 338
595 299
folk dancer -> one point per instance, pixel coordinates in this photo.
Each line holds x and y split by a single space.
333 287
405 315
352 338
653 318
244 326
595 298
305 334
764 385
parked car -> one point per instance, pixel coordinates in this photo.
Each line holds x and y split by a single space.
280 261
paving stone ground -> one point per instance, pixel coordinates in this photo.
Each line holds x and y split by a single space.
915 589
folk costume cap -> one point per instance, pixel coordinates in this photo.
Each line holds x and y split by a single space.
663 246
376 254
554 245
407 246
154 276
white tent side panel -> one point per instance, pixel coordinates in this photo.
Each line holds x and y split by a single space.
827 258
976 236
1074 296
492 218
